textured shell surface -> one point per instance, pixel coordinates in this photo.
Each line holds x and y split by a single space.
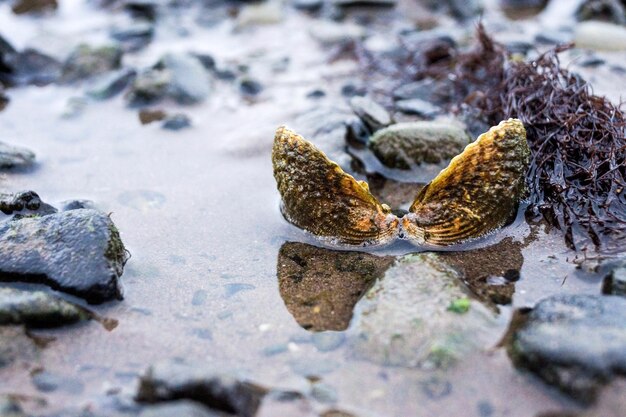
477 193
319 197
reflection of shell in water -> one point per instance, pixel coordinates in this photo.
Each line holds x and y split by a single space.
478 191
318 196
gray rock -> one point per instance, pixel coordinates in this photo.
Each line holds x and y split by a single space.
613 11
462 9
176 122
308 5
79 252
373 115
520 9
600 36
405 145
249 86
173 380
575 342
134 36
406 318
30 67
189 81
15 157
15 345
428 89
38 309
324 393
182 408
615 282
77 204
330 33
149 87
110 85
553 37
46 381
418 107
27 202
87 61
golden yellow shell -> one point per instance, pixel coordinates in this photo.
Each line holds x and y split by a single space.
319 197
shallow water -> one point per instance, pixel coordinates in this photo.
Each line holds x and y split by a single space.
198 210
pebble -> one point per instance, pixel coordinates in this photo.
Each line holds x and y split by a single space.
600 36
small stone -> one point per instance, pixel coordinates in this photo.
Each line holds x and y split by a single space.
149 87
600 36
250 87
328 341
16 346
612 11
15 157
189 81
142 9
37 309
176 122
148 116
110 85
267 13
351 90
324 393
173 379
575 342
316 94
207 61
521 9
26 202
134 36
77 251
330 33
405 145
183 408
428 89
30 67
371 113
9 407
461 9
34 6
87 61
553 37
46 381
418 107
308 5
518 47
615 282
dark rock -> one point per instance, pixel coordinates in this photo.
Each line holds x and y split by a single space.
351 90
134 36
37 309
189 81
174 380
521 9
29 201
405 145
321 286
418 107
149 87
428 89
575 342
553 37
30 67
373 3
183 408
250 87
33 6
308 5
110 85
4 100
16 345
15 157
147 116
613 11
77 205
6 47
316 94
373 115
615 282
87 61
518 47
78 251
461 9
176 122
142 9
592 62
328 341
207 61
357 132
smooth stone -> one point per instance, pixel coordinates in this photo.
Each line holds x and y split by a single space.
428 89
324 393
189 81
612 11
183 408
30 67
143 9
77 205
37 309
574 342
404 319
461 9
600 36
308 5
330 33
147 116
250 86
15 157
418 107
16 346
405 145
87 61
149 87
172 380
553 37
110 85
46 381
78 252
28 201
176 122
615 282
266 13
134 36
373 115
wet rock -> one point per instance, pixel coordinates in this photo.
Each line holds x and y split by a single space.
428 89
575 342
176 122
16 346
418 107
148 116
27 201
266 13
615 282
520 9
250 87
142 9
324 393
189 81
112 84
461 9
321 286
330 33
308 5
373 115
182 408
4 100
350 90
30 67
33 6
404 145
15 157
613 11
149 87
37 309
87 61
600 36
134 36
404 319
174 380
553 37
77 251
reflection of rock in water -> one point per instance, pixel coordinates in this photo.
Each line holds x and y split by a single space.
321 286
490 272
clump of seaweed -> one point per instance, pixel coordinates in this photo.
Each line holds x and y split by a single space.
577 139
